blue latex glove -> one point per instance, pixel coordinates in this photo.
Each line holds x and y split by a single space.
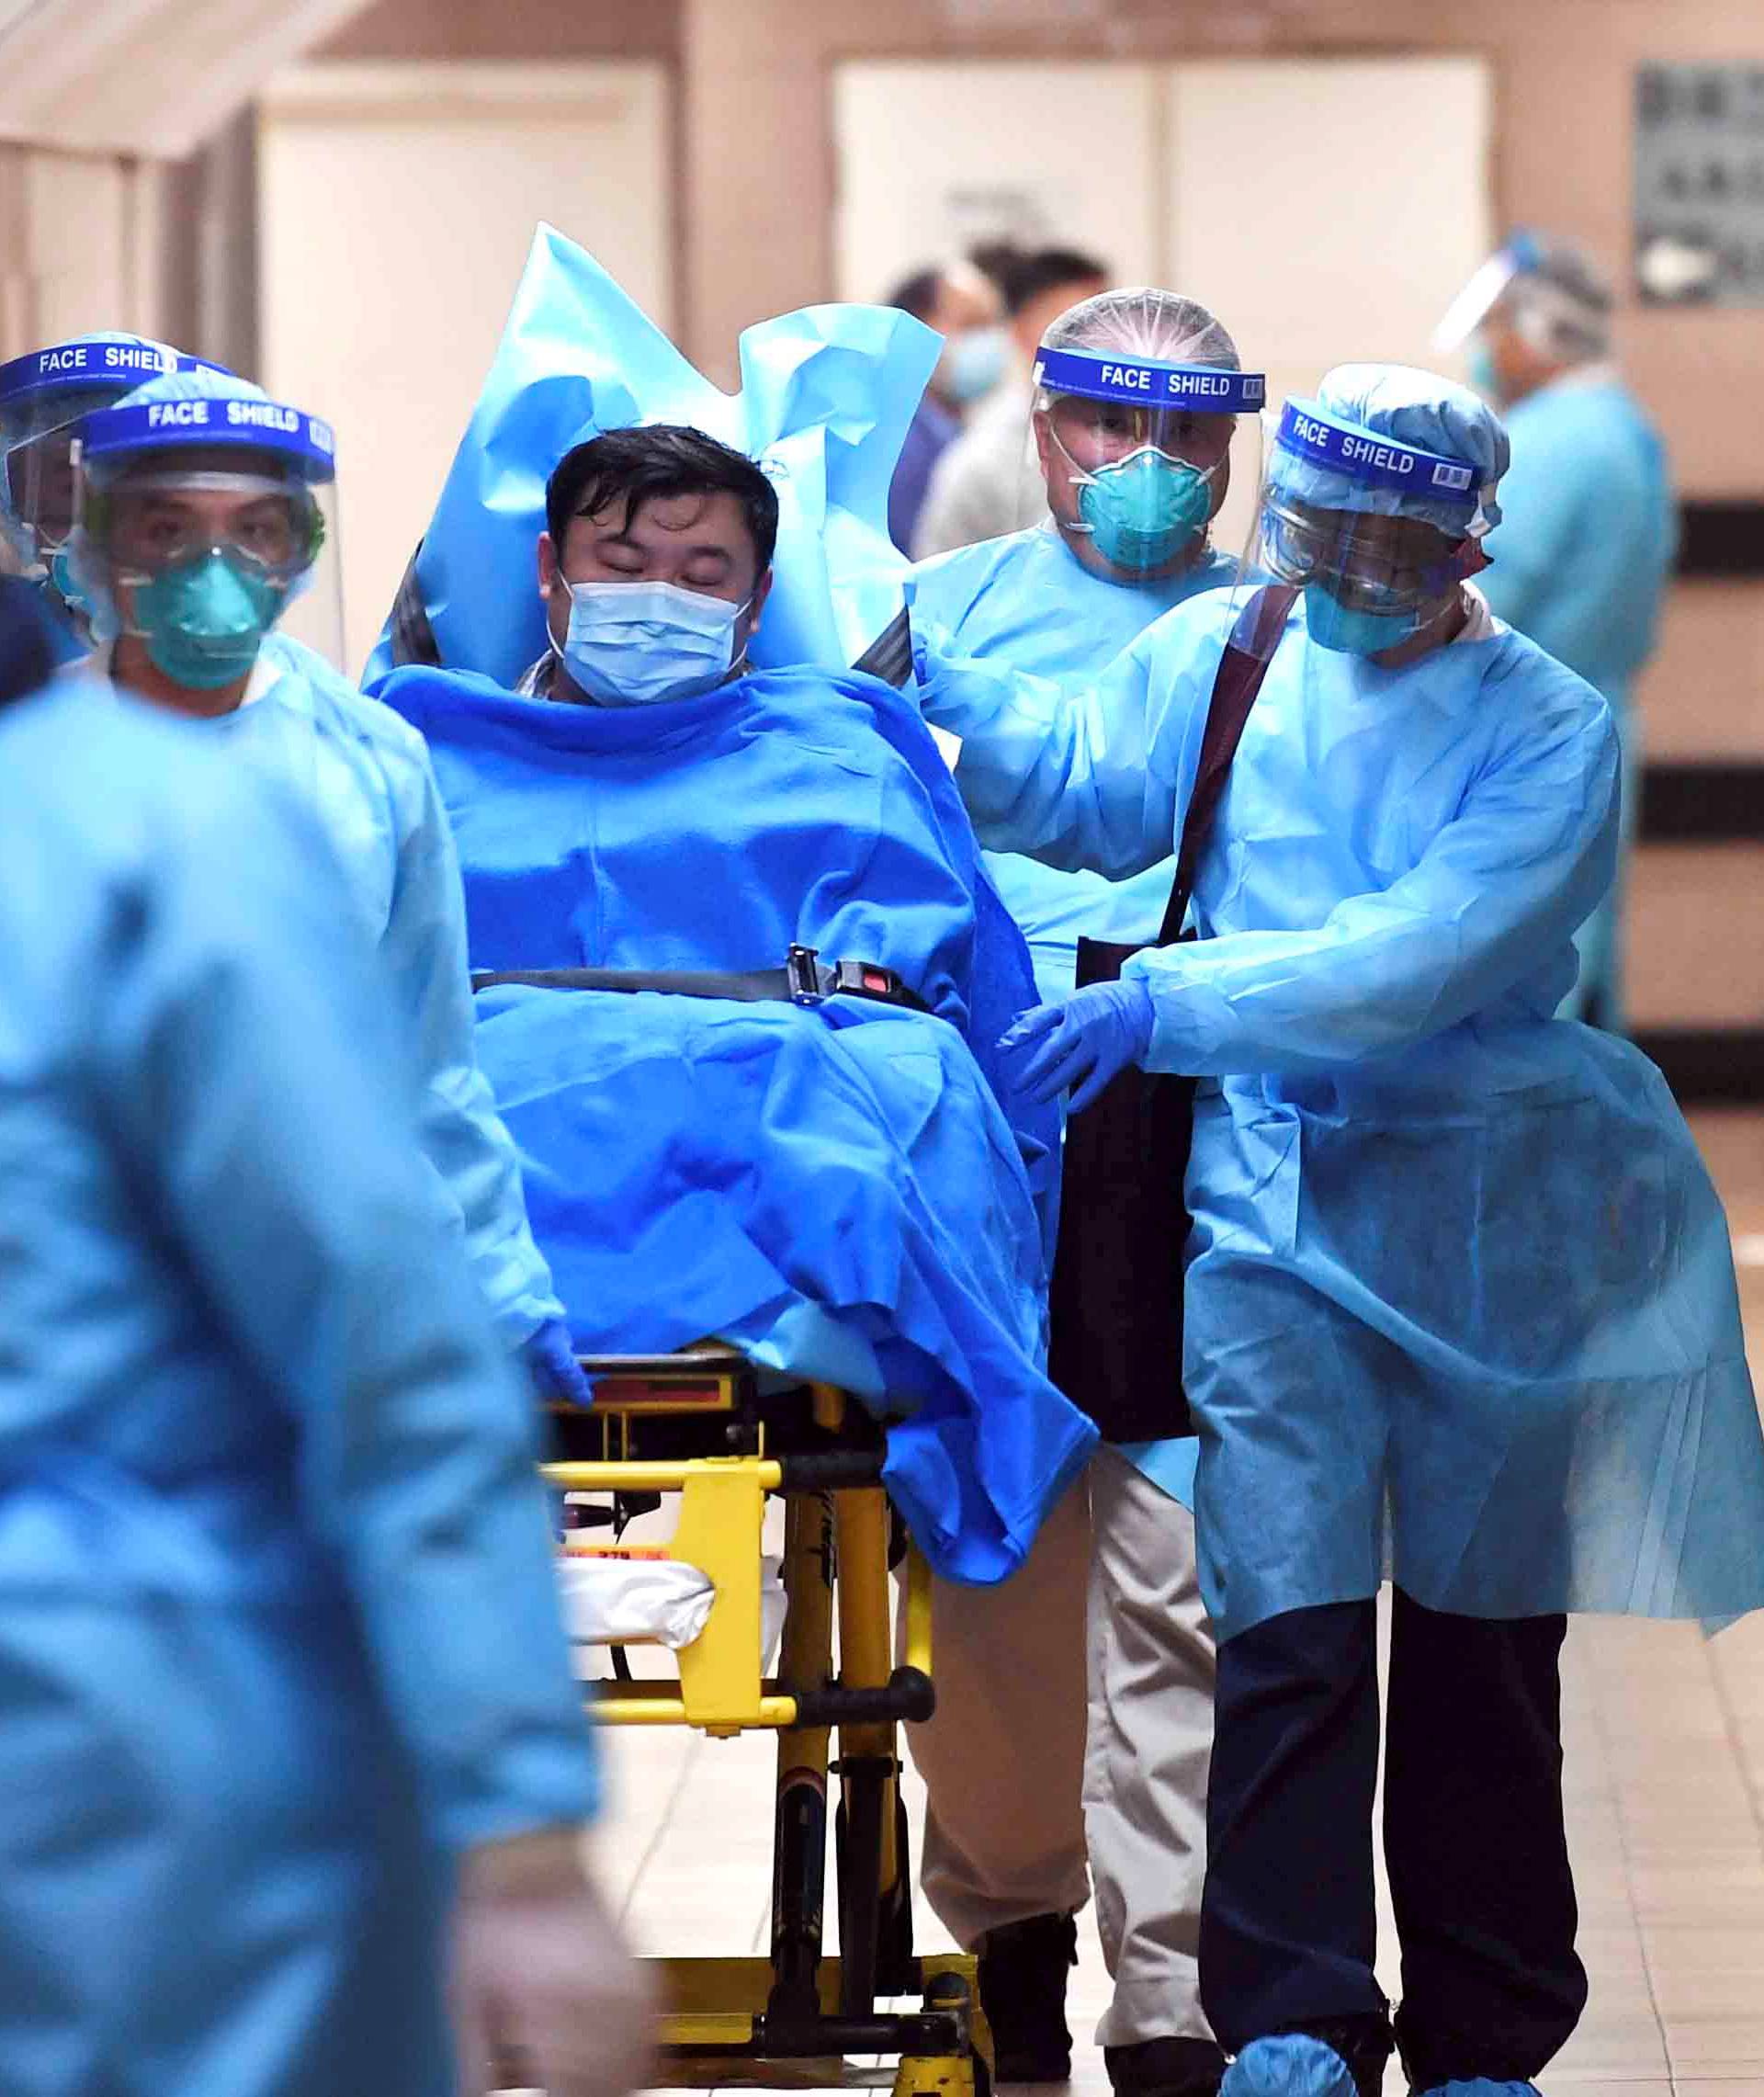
1082 1041
551 1358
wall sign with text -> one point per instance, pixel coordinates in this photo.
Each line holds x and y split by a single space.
1700 185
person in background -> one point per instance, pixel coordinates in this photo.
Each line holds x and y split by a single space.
199 521
290 1748
963 305
1589 522
43 396
1015 1798
988 481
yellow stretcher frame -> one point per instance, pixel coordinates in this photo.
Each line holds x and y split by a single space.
796 2003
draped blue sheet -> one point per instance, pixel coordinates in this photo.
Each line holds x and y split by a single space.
836 1190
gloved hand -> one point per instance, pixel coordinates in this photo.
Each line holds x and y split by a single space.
547 1994
1080 1041
551 1358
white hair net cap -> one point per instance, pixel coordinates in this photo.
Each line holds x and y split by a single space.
1415 408
1145 321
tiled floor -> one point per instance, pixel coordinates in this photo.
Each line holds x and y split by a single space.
1665 1742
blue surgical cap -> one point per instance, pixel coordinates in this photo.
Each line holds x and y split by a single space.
1416 408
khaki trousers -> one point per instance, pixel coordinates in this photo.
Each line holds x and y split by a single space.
1104 1621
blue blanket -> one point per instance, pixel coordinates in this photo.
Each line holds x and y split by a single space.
836 1190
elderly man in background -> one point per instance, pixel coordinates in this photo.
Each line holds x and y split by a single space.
961 302
1589 523
988 481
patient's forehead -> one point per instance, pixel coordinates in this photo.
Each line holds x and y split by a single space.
703 523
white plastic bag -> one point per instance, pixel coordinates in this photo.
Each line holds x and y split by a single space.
608 1599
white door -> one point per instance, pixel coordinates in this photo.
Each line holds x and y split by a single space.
934 157
1324 209
397 205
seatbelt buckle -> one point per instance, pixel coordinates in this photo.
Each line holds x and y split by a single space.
866 979
802 975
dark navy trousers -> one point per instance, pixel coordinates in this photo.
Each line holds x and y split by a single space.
1474 1839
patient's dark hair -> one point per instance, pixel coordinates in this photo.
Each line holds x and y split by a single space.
661 458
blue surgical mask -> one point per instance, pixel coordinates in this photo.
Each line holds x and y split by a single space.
641 644
204 620
1332 625
1144 511
973 362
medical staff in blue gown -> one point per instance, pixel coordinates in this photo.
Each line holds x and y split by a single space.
203 528
1461 1303
835 1189
43 396
1588 520
285 1706
1133 489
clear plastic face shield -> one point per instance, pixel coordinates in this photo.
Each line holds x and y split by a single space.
200 525
1139 453
1549 297
43 399
1377 534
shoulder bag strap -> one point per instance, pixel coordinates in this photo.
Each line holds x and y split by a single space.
1238 678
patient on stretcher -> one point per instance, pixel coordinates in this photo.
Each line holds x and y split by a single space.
832 1186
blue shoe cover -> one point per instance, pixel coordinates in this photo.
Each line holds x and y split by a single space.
1289 2066
1480 2086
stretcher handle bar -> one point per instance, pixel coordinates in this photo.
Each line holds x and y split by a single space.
832 1470
712 1361
650 1477
907 1695
936 2034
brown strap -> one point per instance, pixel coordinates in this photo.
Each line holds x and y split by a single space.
1235 685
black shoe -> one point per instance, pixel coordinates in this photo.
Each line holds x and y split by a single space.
1022 1990
1164 2068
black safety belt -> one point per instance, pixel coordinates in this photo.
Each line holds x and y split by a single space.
805 979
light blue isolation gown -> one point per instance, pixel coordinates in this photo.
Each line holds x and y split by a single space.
367 776
1028 603
1581 559
278 1636
1460 1301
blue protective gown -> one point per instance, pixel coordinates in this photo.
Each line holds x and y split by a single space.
278 1630
837 1191
1028 603
1460 1300
1581 558
367 777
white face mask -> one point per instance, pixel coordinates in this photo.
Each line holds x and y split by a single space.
638 644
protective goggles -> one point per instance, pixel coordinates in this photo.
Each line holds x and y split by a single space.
1370 564
149 523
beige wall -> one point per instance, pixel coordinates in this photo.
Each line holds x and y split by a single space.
82 246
